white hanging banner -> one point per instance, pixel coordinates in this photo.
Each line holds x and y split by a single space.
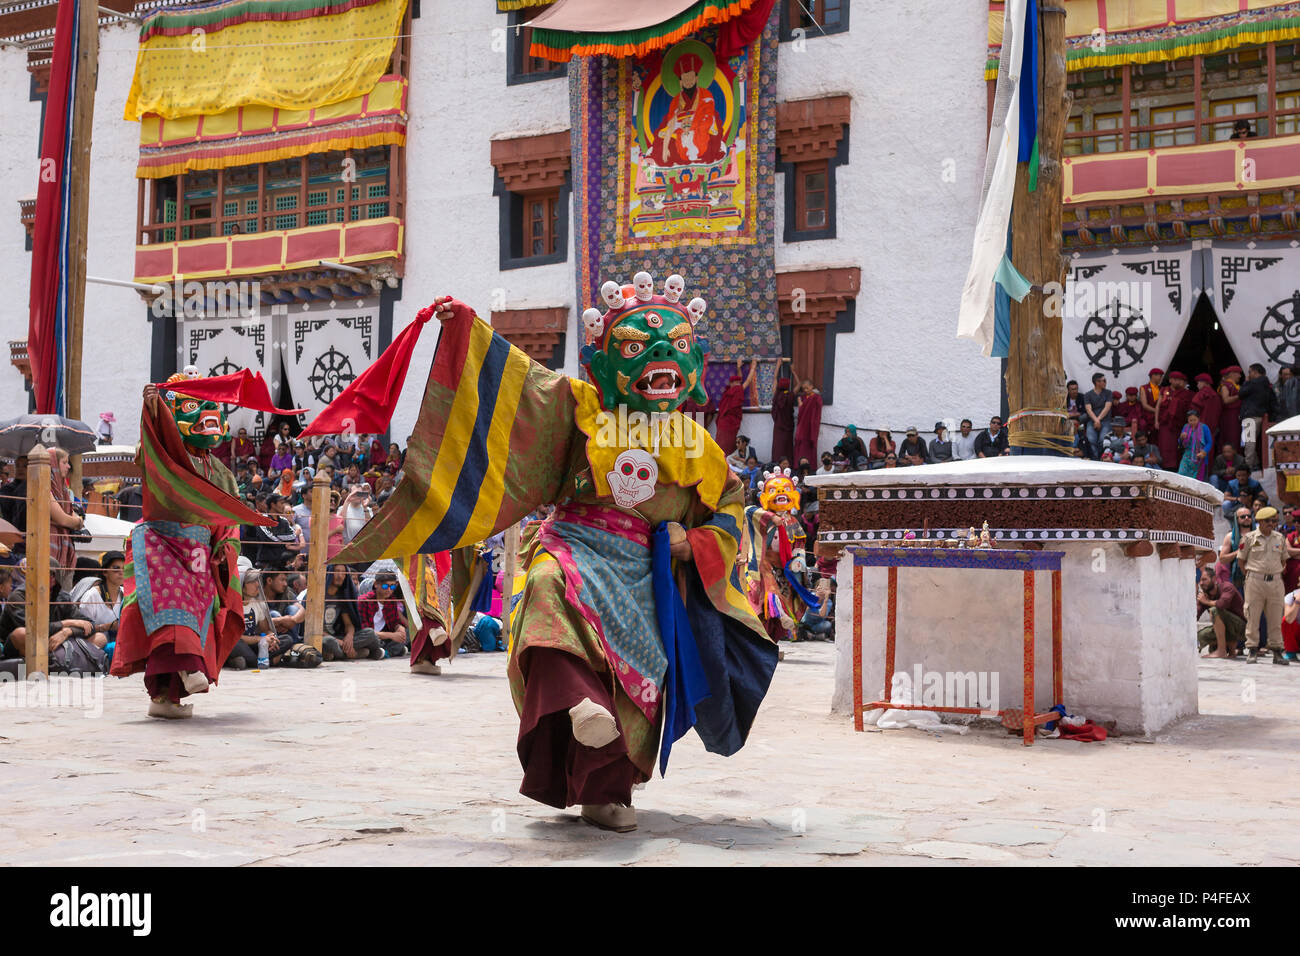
1125 313
325 352
1257 294
219 347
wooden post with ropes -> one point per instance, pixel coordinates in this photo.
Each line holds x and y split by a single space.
78 177
317 560
38 562
1035 368
511 563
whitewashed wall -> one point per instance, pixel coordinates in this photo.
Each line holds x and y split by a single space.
915 73
459 103
898 220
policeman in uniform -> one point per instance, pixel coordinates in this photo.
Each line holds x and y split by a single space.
1262 554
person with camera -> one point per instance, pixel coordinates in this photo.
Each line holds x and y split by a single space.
357 508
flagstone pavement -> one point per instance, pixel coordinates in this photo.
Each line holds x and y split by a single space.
365 764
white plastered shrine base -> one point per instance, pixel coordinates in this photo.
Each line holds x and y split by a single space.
1128 623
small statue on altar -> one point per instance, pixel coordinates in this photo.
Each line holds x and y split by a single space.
972 539
986 539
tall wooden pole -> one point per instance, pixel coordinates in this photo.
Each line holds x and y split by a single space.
78 174
1035 367
38 562
316 560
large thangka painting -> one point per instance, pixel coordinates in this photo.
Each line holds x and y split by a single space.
674 172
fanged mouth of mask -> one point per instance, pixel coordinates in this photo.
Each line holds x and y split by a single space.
209 423
660 380
780 500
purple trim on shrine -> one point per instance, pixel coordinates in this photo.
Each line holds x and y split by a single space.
986 559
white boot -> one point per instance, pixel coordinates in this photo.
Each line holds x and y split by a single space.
195 682
593 725
425 667
610 816
162 707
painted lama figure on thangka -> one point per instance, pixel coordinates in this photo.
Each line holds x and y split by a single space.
182 611
632 627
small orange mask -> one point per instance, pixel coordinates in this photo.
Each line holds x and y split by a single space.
778 493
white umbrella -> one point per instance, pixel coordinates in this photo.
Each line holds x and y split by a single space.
106 534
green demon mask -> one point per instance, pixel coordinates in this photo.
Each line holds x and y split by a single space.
643 352
202 424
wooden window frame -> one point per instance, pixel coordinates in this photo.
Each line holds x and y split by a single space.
791 11
795 200
214 224
521 66
801 209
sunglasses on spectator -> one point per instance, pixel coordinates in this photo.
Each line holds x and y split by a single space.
386 586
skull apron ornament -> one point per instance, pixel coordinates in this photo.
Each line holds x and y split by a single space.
633 479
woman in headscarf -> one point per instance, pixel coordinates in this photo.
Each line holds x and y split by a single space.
851 448
284 488
378 454
1195 441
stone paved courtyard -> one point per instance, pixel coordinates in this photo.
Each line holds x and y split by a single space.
365 764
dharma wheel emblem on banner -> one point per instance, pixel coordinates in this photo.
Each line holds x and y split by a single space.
1115 337
1279 331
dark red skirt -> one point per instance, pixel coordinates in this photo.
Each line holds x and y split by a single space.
422 649
559 771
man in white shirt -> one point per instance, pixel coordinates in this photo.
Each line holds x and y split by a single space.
963 443
355 511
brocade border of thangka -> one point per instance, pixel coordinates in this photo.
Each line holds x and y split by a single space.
738 281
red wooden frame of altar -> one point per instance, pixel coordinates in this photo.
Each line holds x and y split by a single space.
976 559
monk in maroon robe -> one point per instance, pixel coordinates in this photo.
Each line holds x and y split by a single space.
808 428
1171 416
731 408
1209 406
1230 418
783 421
1130 409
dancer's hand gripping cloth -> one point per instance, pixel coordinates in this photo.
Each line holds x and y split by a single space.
500 435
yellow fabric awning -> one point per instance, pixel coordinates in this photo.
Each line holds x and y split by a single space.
1104 33
285 54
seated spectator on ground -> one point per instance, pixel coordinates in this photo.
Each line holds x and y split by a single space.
940 445
258 626
828 464
283 458
993 441
912 451
851 449
1119 443
345 639
879 447
66 620
737 459
286 613
1224 468
891 461
1150 453
383 610
102 602
753 472
818 622
963 443
1241 484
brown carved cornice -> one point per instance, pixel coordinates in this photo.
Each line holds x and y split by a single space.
811 129
816 296
532 163
536 331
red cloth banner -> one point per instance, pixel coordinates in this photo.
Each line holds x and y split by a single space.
48 302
